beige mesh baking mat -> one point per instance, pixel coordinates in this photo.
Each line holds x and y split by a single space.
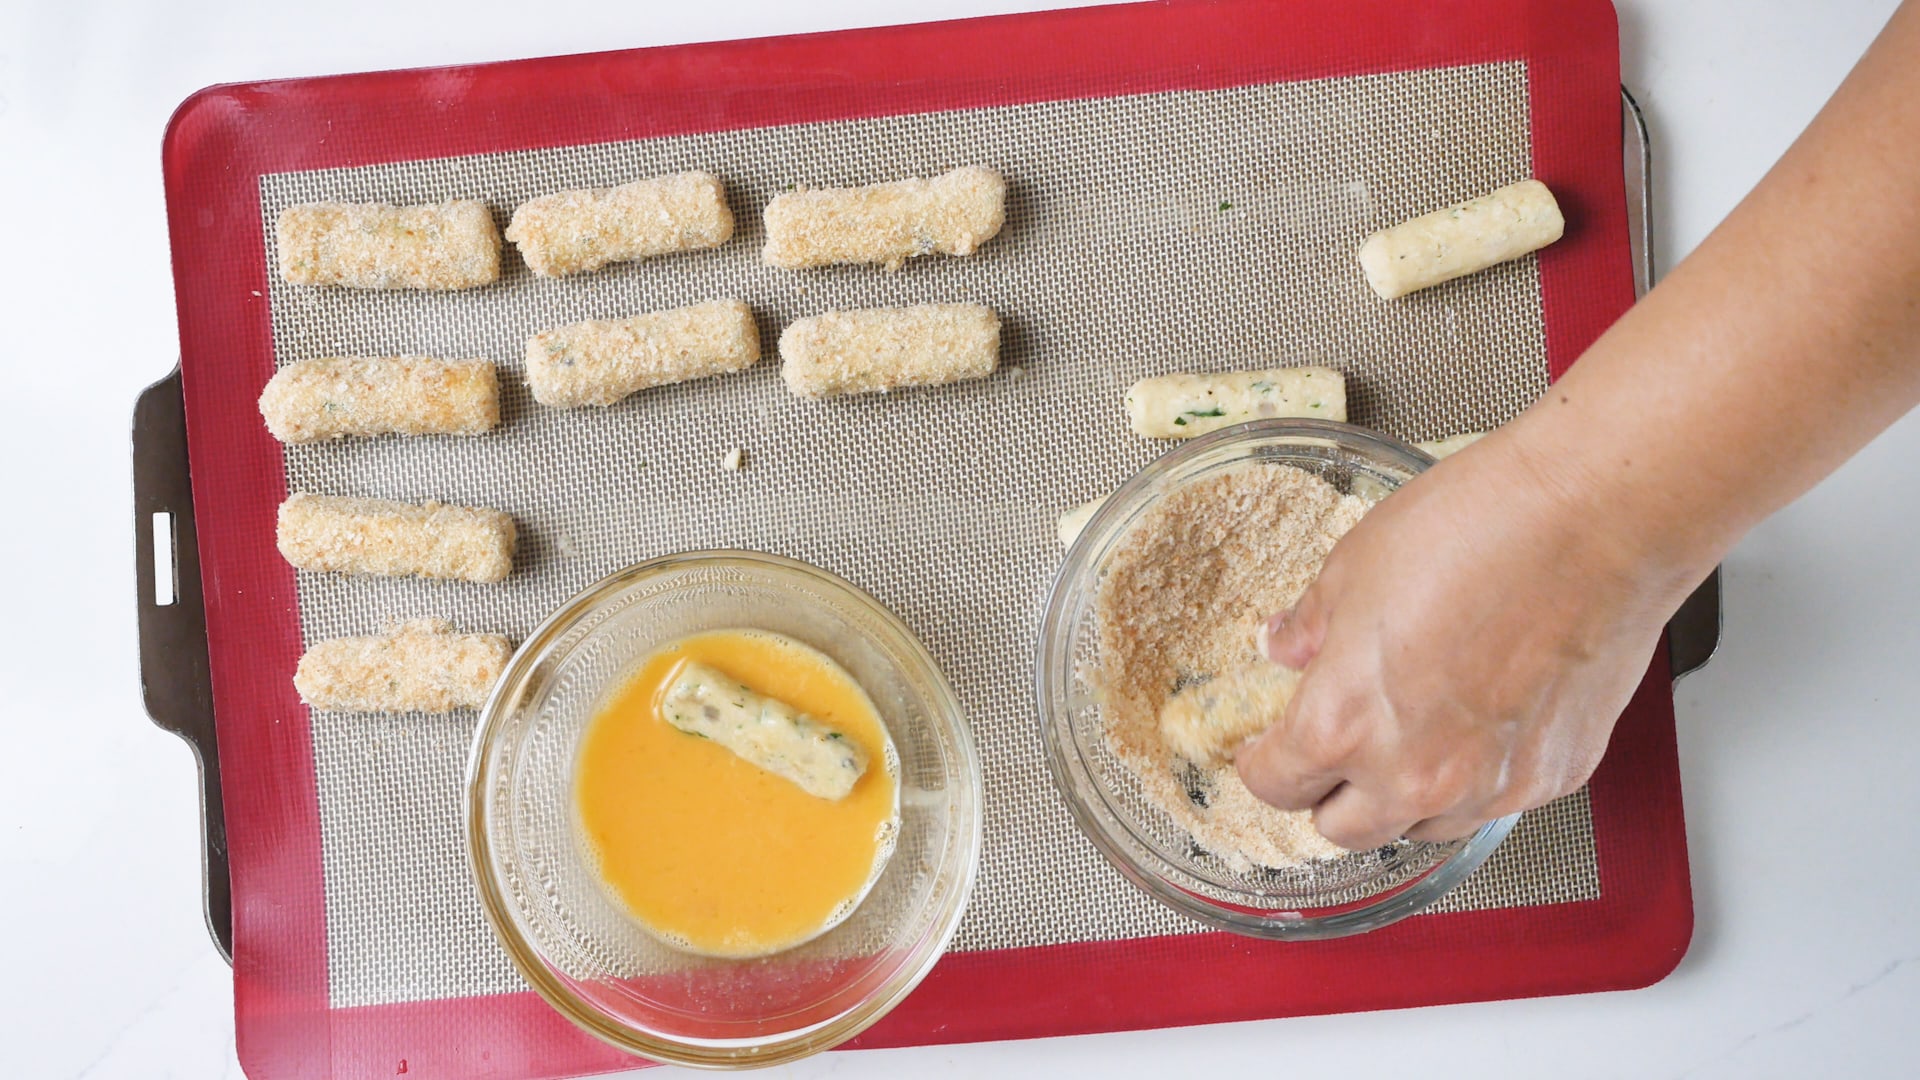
1163 232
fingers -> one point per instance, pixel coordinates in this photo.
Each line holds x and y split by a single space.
1292 638
1495 800
1447 827
1358 820
1274 775
1291 766
1301 759
1335 752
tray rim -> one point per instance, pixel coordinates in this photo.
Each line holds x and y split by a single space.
1592 13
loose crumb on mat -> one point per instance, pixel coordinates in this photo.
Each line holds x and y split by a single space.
1184 591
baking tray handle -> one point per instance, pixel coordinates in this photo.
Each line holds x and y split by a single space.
174 678
1693 634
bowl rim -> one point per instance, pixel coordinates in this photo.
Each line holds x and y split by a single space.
651 1045
1053 672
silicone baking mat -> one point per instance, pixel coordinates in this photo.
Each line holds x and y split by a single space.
1188 183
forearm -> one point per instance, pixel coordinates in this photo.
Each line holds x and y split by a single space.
1429 700
1779 348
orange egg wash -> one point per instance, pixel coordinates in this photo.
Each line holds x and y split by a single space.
709 851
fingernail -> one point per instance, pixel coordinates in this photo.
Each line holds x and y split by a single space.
1263 638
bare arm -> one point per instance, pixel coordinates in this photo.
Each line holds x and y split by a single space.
1777 350
1471 643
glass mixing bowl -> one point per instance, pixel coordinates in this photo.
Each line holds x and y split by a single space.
1348 895
574 942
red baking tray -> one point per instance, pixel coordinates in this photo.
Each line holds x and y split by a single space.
223 139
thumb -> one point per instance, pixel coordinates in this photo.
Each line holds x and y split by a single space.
1292 638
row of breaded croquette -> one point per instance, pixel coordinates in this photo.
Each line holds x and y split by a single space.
454 245
426 665
602 362
421 665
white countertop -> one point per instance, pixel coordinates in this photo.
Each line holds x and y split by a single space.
1799 744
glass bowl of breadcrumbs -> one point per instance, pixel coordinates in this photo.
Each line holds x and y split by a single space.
1162 590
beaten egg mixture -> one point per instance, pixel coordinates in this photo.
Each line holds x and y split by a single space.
710 851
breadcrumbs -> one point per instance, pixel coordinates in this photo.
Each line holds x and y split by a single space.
1185 590
881 349
449 245
951 214
378 536
418 666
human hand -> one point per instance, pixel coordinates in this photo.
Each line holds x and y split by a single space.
1470 644
1466 651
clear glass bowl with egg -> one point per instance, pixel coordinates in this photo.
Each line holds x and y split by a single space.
1325 898
571 936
